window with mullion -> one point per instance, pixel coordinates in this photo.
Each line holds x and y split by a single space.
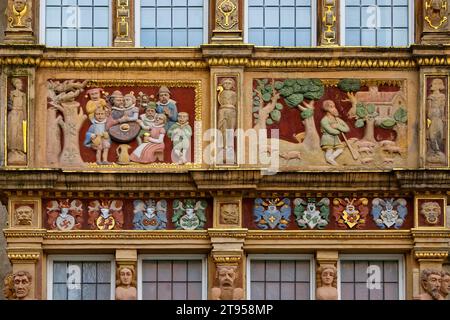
377 23
77 23
279 22
172 23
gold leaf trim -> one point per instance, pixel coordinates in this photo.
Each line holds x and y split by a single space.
431 255
23 256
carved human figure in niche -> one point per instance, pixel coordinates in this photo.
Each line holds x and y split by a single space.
95 101
227 114
147 120
17 117
24 215
126 283
152 147
430 281
18 286
165 105
445 284
332 127
431 211
180 133
326 284
227 276
97 137
436 102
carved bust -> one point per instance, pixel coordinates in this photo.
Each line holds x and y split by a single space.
18 286
430 281
227 276
326 284
126 283
24 215
445 284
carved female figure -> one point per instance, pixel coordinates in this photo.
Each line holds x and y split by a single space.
126 283
152 147
436 103
227 99
326 284
16 119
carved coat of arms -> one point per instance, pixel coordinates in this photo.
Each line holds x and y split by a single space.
189 215
150 215
272 213
64 215
351 213
389 213
105 215
312 214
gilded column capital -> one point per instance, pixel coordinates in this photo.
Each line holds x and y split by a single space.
23 257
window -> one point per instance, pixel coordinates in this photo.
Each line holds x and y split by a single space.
280 22
377 22
275 277
172 278
172 23
80 278
371 277
76 23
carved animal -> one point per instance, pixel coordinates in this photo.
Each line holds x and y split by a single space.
366 150
365 144
366 160
291 155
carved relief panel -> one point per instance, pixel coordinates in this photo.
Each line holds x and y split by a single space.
227 213
17 121
436 121
430 211
24 213
124 124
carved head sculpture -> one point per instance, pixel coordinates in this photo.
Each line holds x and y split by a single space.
327 276
22 284
126 276
150 110
445 283
437 85
160 119
17 83
8 289
228 84
100 114
183 117
229 213
117 99
129 99
430 279
431 211
19 5
24 215
95 93
226 275
329 106
164 95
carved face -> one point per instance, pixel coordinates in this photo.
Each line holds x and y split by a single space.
445 285
126 276
100 114
24 215
330 107
230 213
21 286
118 100
94 95
19 5
17 83
150 113
431 211
432 285
328 276
164 97
183 117
226 276
228 84
437 85
160 119
129 101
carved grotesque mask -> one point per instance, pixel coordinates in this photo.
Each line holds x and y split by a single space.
24 215
226 276
230 214
431 211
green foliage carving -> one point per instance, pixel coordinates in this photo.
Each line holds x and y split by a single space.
350 85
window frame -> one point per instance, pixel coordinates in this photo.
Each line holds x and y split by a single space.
171 257
79 258
411 25
400 258
43 20
313 27
295 257
137 26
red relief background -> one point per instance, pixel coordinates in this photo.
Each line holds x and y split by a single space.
291 121
248 220
422 222
128 212
185 98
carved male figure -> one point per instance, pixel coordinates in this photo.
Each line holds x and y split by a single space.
98 138
180 133
227 99
17 116
227 276
147 120
445 284
19 286
167 106
126 283
436 103
326 287
332 127
24 215
96 101
430 281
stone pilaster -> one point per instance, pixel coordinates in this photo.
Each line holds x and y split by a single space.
227 21
123 23
435 25
329 23
20 16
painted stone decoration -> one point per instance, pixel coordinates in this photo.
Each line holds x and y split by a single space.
105 215
64 215
311 213
436 125
272 213
436 13
20 14
17 123
189 214
329 122
388 213
150 215
228 289
431 211
351 213
229 214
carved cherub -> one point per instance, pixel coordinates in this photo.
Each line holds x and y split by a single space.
107 215
189 215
